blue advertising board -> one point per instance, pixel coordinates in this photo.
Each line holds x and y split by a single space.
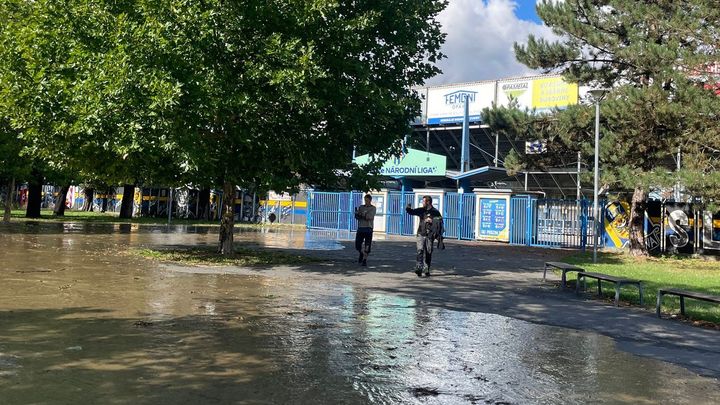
493 219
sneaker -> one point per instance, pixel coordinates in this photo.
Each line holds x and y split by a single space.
418 271
364 263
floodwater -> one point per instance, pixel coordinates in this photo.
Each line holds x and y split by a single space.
82 323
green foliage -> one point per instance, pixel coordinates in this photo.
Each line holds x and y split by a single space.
264 93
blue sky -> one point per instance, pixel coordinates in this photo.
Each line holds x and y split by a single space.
526 11
480 37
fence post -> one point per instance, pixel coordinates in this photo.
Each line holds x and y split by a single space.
529 221
350 211
308 210
402 209
460 210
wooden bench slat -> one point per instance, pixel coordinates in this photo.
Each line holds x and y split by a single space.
683 294
619 282
607 277
565 267
690 294
561 265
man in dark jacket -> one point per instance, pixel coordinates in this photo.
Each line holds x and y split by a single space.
365 215
424 243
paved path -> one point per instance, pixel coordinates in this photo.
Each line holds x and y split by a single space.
507 280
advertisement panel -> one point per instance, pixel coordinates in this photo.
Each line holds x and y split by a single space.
539 93
493 222
413 163
553 92
446 104
520 90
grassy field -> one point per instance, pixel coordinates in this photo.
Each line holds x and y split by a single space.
112 217
658 272
209 257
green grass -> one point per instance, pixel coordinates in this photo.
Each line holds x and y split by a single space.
657 272
208 256
112 217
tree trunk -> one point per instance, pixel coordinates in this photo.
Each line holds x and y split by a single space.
34 197
204 204
59 210
228 220
89 197
103 207
637 223
126 207
9 199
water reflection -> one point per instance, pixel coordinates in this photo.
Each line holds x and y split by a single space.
80 324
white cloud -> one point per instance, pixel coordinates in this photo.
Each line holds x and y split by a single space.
479 42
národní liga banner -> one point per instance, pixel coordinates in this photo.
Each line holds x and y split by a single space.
541 94
445 105
413 163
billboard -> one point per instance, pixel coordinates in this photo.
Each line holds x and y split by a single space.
537 93
493 222
413 163
445 105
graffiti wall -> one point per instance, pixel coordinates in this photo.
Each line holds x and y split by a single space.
675 228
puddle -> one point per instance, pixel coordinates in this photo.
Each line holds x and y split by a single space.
79 324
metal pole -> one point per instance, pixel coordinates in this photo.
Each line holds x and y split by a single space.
526 181
402 206
169 205
497 149
578 177
595 180
464 148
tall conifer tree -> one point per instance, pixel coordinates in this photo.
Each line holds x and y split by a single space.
656 56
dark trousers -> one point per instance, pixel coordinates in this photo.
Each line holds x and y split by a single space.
363 237
424 252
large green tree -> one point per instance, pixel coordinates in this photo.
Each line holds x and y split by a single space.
278 92
87 91
649 52
265 94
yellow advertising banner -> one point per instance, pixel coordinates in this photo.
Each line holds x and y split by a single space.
553 92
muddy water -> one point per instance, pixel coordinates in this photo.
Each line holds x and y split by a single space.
81 324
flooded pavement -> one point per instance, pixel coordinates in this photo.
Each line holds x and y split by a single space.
80 322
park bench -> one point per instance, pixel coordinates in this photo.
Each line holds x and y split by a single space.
682 294
619 282
564 267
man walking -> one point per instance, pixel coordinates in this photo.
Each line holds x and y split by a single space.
365 215
424 243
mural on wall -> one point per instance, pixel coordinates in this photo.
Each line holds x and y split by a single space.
679 223
669 227
711 232
617 225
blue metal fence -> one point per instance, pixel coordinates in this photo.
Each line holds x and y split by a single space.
331 210
459 215
549 223
398 221
533 221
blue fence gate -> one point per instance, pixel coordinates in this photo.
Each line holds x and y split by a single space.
459 215
332 210
398 221
533 221
550 223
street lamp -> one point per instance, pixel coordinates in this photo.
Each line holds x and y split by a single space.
597 95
